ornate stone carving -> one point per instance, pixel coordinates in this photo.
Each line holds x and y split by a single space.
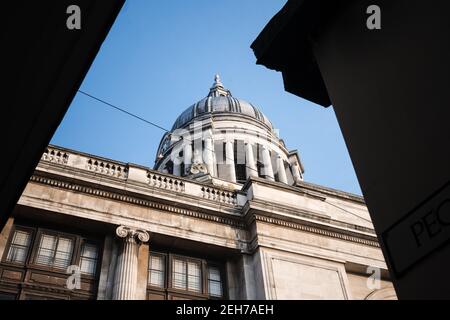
198 168
137 235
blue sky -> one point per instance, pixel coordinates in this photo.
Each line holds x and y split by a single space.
161 56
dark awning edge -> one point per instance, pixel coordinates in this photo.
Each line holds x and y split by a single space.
274 47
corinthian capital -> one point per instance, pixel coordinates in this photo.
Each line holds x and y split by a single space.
137 235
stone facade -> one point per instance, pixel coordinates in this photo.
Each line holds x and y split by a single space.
87 227
312 243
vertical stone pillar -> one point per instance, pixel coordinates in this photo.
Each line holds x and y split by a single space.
230 161
296 172
177 166
281 170
187 157
250 169
197 156
208 153
125 281
267 161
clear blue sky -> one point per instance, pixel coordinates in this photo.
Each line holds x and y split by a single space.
161 56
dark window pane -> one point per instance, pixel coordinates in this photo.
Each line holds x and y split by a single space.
194 276
18 249
214 282
156 272
88 258
54 251
179 274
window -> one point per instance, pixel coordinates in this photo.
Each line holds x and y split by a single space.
194 281
186 275
179 277
48 254
18 249
156 271
179 274
88 258
54 251
214 282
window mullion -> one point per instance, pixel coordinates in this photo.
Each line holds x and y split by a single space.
54 252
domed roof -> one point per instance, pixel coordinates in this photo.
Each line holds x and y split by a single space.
220 100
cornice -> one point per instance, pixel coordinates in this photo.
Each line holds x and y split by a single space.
256 206
237 222
316 230
307 189
132 199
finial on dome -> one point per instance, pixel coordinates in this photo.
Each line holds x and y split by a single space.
217 80
218 89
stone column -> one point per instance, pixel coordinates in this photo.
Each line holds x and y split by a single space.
176 169
208 153
187 157
197 156
126 276
281 170
250 169
230 161
296 172
267 161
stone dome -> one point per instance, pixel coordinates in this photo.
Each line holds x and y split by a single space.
220 101
226 139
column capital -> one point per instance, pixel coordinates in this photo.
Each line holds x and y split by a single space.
229 140
137 235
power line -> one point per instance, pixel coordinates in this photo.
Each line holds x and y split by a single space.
352 213
122 110
145 121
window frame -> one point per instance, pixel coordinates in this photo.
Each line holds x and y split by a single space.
29 266
58 234
169 291
13 230
77 256
36 235
186 259
222 280
165 256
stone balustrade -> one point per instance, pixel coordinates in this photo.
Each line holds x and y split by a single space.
55 156
135 173
164 182
223 196
107 168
